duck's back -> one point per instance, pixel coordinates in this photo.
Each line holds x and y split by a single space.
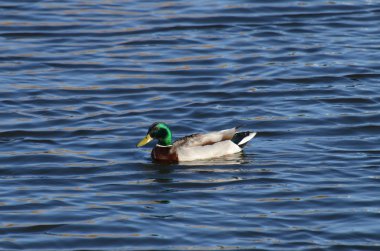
205 146
205 139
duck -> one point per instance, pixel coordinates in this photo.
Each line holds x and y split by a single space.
195 146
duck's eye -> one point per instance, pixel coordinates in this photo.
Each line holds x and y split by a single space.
154 131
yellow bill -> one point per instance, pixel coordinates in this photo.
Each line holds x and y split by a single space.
145 140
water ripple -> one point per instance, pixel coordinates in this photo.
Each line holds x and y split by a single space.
83 81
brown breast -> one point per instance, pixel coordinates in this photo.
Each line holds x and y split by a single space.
160 153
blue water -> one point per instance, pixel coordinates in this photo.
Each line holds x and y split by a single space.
81 81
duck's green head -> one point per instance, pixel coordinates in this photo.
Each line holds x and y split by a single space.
159 131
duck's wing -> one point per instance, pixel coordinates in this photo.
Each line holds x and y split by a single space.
205 139
207 151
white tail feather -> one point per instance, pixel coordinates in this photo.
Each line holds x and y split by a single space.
247 138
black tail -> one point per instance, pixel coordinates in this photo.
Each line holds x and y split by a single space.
242 138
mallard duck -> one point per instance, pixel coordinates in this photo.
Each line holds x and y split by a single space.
195 146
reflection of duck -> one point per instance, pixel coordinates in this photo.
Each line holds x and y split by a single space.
195 146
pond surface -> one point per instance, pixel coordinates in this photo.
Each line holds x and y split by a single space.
81 81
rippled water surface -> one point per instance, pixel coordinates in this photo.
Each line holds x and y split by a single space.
81 81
